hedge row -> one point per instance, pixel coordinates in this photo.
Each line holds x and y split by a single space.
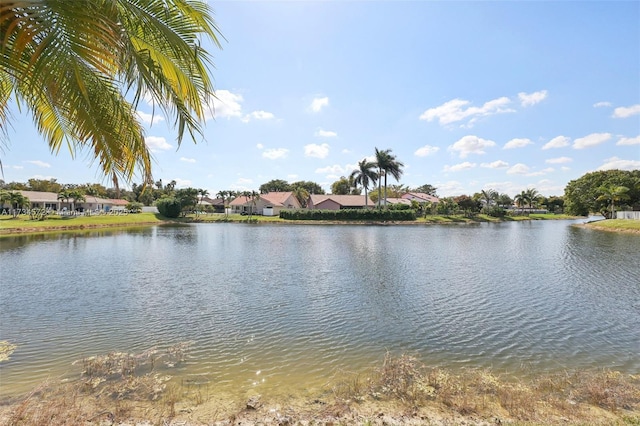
349 214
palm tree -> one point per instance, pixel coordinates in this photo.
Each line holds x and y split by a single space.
364 175
17 201
612 193
521 200
202 193
252 197
81 67
301 194
64 195
488 196
382 161
76 195
387 164
393 168
532 196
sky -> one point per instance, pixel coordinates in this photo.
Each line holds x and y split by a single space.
468 95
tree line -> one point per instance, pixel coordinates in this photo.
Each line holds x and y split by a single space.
601 192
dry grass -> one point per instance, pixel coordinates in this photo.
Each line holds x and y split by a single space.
118 389
579 397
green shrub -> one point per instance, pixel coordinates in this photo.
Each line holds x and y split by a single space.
494 211
134 207
349 214
169 207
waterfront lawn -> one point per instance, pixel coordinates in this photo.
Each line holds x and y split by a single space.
54 222
616 225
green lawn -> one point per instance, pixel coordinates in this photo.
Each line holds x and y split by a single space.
616 224
9 225
24 223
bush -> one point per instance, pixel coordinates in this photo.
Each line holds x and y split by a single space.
169 207
134 207
494 211
349 214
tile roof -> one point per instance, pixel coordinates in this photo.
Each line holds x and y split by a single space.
343 200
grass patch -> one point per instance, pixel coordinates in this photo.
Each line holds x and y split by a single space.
616 225
9 225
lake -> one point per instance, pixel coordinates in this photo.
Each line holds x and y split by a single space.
277 306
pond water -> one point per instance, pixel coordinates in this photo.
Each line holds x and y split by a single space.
271 306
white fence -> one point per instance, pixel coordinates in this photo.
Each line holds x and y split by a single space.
628 215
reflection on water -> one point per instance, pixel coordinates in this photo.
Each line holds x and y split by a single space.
297 303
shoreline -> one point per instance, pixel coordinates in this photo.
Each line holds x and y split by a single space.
23 226
401 391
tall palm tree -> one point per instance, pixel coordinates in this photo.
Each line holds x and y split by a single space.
364 175
202 193
612 193
382 160
81 67
392 167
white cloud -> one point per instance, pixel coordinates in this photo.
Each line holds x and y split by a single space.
449 188
16 167
157 143
602 104
557 142
346 151
259 146
275 153
318 103
292 177
541 172
518 169
528 99
517 143
258 115
471 144
457 110
39 163
460 166
559 160
242 184
188 160
499 164
149 118
629 141
317 151
225 105
336 169
614 163
565 168
325 134
625 112
426 151
591 140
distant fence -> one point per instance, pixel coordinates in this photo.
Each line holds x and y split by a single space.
628 215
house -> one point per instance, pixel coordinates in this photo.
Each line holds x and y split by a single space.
404 201
216 204
268 204
421 197
49 200
337 202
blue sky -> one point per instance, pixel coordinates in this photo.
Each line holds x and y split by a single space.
468 95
